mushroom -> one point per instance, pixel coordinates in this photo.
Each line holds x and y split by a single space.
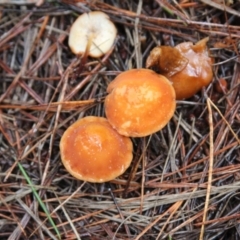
92 33
91 150
140 102
221 86
168 59
188 77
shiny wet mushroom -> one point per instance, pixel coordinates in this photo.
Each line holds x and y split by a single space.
188 66
91 150
139 102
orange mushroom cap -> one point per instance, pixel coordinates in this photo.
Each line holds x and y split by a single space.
140 102
198 72
221 85
91 150
187 66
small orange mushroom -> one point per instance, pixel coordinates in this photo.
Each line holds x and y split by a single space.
168 59
221 85
187 66
91 150
140 102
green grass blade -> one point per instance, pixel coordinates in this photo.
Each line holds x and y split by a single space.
39 200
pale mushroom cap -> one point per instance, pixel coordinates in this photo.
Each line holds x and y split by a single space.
91 150
140 102
95 29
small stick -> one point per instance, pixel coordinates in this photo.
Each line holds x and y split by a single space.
119 211
211 154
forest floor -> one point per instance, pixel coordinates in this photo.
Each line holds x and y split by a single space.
183 182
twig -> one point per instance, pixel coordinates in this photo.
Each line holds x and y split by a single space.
210 170
222 7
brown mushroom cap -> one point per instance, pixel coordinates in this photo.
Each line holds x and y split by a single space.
187 66
92 32
91 150
140 102
197 74
169 60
